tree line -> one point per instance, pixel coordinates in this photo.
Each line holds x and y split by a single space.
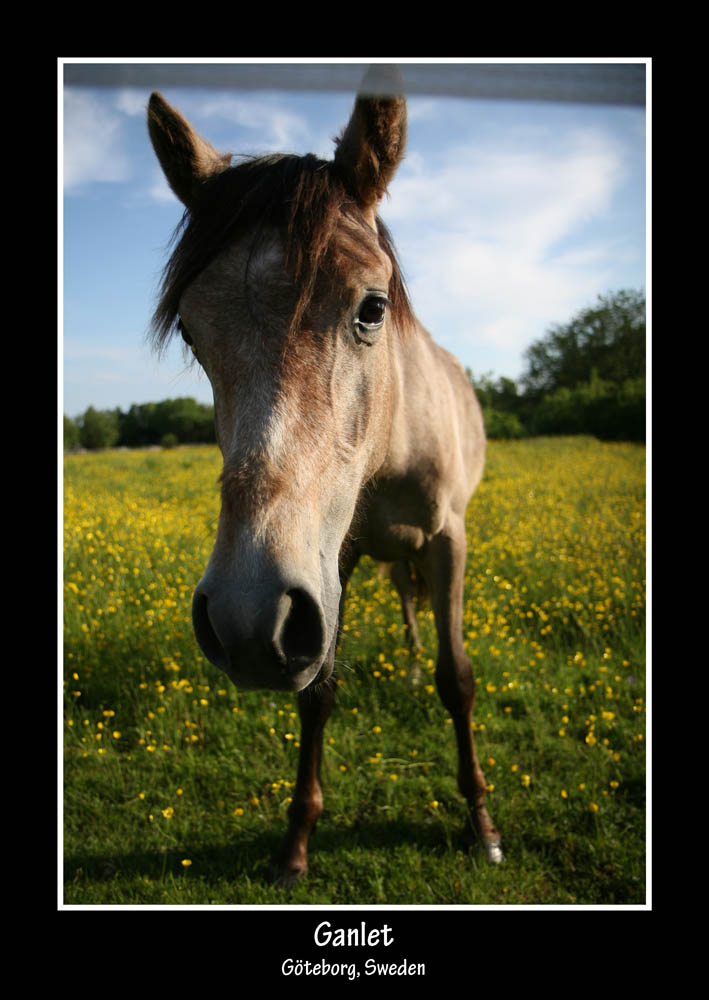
584 377
168 423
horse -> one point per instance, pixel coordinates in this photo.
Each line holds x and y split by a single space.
344 428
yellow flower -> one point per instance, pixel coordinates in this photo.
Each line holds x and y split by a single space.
185 862
593 807
526 780
168 813
564 793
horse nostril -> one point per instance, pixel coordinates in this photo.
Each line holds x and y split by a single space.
302 633
262 643
205 634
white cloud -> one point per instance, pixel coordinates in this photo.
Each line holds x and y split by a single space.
132 102
269 127
274 127
488 237
93 142
158 189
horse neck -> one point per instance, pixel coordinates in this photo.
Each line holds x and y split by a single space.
410 364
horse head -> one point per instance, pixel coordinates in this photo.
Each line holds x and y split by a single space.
285 284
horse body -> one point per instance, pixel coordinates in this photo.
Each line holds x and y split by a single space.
345 430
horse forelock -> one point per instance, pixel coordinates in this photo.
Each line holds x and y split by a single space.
302 197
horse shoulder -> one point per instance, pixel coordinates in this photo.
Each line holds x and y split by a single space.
436 450
437 423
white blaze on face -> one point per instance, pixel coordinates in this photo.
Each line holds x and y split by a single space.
232 312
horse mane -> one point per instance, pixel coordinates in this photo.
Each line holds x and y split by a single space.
301 195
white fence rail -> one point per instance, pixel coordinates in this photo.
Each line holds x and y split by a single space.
585 82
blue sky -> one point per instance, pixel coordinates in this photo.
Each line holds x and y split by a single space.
508 216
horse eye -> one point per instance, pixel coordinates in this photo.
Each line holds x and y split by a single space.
185 335
187 339
372 311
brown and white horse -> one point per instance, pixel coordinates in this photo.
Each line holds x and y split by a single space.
343 427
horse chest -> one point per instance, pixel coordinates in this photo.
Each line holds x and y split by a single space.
400 516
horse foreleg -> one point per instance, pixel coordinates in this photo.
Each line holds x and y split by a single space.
315 707
444 570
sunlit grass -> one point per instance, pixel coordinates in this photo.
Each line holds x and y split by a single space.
177 786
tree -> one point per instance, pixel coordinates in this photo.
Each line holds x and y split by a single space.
607 339
71 434
137 425
147 423
189 420
99 428
585 377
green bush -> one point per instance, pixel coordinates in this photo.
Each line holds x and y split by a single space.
607 411
499 424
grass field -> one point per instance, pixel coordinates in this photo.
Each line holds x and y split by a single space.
176 785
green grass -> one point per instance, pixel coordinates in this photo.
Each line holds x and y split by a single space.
165 762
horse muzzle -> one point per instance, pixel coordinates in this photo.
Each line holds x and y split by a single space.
275 637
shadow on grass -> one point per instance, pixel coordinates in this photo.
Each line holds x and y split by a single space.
247 859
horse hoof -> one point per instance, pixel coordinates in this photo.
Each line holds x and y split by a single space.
494 854
285 878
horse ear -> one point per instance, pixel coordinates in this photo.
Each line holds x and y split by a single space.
186 158
371 147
